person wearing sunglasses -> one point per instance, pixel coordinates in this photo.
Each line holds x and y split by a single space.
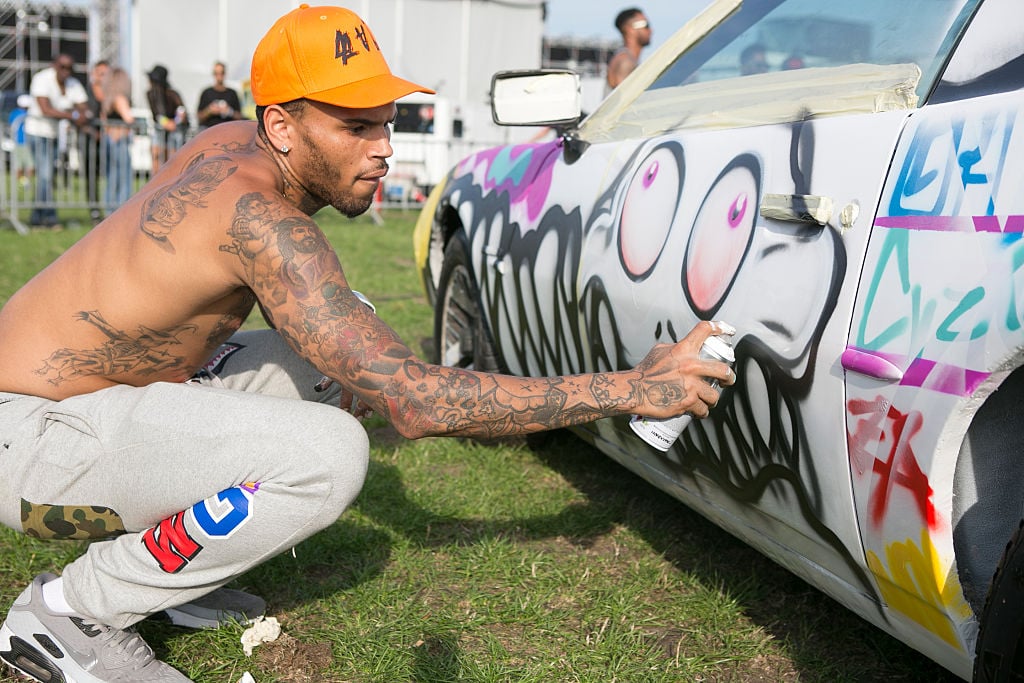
636 35
56 96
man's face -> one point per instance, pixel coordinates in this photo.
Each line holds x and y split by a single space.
641 28
218 74
304 240
64 65
343 154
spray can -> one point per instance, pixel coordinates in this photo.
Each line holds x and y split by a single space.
662 433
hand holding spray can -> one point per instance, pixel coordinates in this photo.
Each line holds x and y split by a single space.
662 433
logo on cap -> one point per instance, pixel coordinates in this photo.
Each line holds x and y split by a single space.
343 44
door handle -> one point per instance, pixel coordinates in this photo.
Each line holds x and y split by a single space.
871 364
797 208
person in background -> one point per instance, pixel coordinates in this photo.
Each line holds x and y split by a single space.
636 35
91 140
753 60
22 157
56 96
117 118
218 103
169 115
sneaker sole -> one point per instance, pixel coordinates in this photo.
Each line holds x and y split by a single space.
26 660
37 658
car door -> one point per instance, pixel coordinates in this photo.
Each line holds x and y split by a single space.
934 347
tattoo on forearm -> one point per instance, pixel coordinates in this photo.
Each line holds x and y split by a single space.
146 352
166 208
606 394
476 404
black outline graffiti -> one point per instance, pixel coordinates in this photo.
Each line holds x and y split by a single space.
677 151
751 163
728 447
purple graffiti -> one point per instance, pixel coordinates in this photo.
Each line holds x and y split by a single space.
1010 224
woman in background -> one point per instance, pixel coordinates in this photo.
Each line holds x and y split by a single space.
169 114
116 114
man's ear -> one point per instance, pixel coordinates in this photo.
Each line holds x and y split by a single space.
278 124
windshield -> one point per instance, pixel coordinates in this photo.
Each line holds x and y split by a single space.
777 49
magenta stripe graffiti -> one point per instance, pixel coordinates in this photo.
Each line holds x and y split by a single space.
994 224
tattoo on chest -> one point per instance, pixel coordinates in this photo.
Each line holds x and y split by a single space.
145 352
166 208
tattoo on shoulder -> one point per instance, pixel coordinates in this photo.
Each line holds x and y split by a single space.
305 256
145 352
233 147
166 208
254 214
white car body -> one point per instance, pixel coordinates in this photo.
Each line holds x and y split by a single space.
859 224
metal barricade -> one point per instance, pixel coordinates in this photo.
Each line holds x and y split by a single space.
79 176
86 175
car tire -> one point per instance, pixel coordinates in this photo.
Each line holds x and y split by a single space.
461 338
999 654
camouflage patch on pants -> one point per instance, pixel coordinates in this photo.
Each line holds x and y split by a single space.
69 522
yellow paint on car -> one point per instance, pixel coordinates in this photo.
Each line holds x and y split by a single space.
424 224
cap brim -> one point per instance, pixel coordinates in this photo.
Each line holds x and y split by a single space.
369 92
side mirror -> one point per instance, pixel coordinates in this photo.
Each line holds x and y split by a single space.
546 97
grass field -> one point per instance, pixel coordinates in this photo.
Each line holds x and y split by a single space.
468 562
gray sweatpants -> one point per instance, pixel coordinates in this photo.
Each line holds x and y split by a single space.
203 480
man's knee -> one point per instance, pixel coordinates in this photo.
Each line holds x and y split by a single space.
339 450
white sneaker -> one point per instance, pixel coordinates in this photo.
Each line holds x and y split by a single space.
62 648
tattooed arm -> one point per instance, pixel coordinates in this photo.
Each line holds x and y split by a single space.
297 277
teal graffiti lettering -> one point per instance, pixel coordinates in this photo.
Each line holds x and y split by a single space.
1012 315
945 332
896 248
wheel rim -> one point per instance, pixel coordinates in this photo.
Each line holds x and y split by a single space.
459 320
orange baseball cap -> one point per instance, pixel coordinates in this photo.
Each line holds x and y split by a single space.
326 54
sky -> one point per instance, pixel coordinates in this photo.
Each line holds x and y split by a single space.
596 18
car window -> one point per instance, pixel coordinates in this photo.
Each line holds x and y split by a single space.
878 54
990 56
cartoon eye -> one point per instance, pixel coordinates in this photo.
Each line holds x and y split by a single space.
721 234
648 209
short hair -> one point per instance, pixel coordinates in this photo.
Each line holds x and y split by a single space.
623 17
294 107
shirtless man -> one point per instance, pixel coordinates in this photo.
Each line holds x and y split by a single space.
636 35
132 406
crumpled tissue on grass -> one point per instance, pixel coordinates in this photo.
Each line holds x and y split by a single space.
261 630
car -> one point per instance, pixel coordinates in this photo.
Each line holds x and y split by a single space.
855 213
